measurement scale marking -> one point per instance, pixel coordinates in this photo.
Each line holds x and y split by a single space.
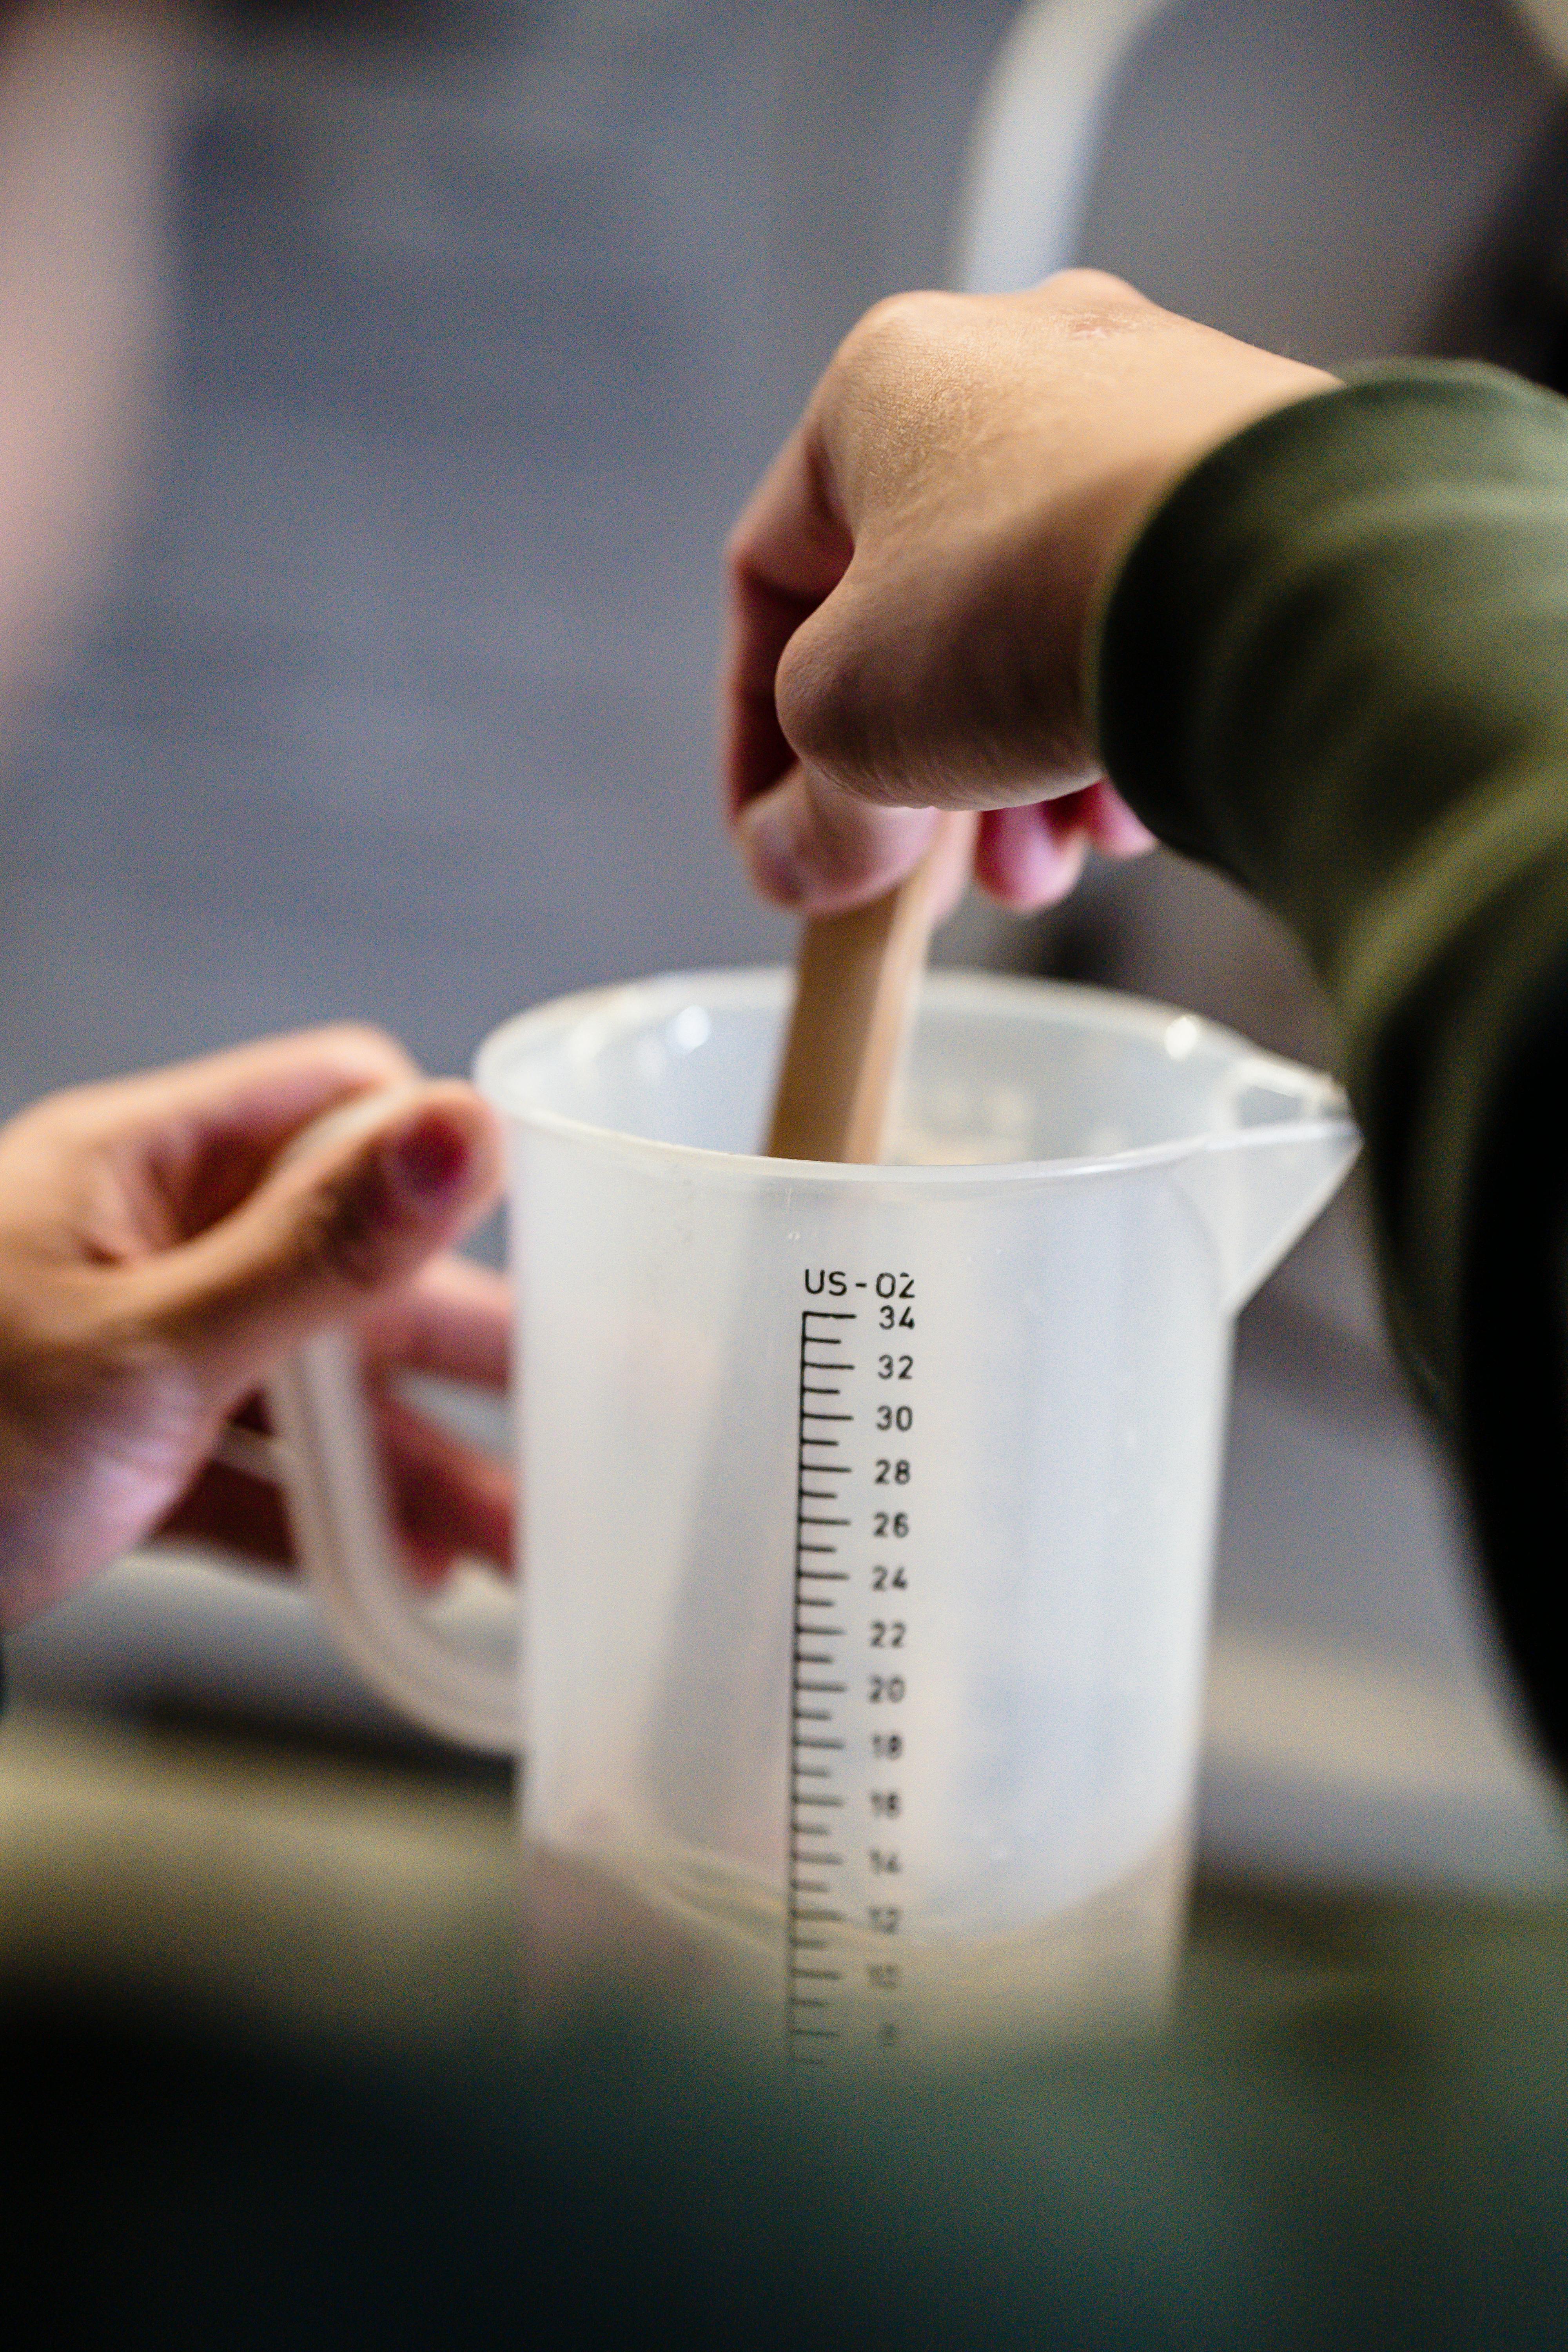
823 1409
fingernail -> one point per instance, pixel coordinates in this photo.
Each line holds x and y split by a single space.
431 1158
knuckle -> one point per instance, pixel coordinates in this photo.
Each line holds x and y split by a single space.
800 692
1089 297
897 327
1080 284
818 710
817 683
838 704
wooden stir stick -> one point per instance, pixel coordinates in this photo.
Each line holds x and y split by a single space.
857 977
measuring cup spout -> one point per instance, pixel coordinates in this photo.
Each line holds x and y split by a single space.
1259 1186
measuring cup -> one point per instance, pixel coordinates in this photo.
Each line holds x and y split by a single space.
867 1512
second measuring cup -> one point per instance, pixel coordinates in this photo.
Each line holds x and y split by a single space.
867 1512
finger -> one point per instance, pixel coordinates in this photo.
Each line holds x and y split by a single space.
809 845
233 1512
279 1081
454 1320
193 1140
1032 857
326 1234
788 551
1110 825
451 1501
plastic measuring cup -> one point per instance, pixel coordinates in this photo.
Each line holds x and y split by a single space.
866 1513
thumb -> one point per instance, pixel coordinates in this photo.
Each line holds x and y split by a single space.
837 829
353 1210
809 844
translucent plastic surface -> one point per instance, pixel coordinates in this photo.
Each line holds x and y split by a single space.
868 1512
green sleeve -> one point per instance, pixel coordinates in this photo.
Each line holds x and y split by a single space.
1334 664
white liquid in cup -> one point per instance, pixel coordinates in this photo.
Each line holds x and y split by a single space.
829 1994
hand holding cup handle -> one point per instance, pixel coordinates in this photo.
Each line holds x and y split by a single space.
340 1512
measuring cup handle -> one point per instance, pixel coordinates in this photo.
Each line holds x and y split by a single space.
341 1517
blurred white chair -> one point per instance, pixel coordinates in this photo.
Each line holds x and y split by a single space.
1037 138
1304 172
